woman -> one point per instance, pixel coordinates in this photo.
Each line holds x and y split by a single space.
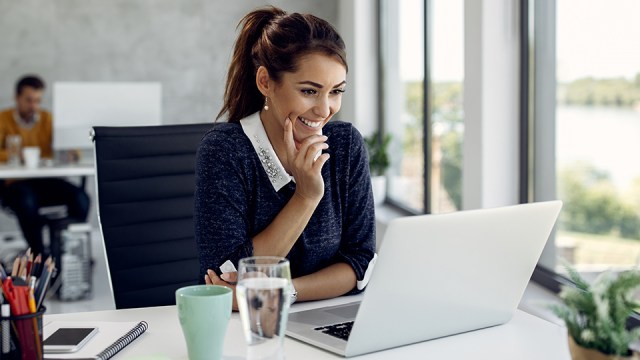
278 179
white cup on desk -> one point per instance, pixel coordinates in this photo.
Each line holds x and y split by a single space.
31 156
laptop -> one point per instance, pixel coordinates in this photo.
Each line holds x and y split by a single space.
436 275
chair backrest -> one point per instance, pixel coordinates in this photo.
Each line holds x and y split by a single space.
146 183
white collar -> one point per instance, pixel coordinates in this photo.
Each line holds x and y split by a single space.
253 128
24 123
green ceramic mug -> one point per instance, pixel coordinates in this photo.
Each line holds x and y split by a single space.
204 312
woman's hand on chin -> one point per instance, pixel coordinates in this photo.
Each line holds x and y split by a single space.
302 162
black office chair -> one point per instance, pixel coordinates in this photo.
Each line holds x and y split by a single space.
146 183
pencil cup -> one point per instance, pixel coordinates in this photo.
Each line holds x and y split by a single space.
23 341
204 312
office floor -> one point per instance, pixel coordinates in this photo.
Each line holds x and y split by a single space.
535 300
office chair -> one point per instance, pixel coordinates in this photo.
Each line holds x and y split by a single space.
145 178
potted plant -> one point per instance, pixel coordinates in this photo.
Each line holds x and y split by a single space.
377 146
596 314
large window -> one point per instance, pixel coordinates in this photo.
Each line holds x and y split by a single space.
597 132
423 111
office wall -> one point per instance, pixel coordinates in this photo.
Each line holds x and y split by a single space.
491 104
358 25
184 44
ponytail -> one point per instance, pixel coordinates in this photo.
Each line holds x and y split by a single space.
241 96
272 38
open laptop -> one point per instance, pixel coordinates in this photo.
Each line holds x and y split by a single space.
436 275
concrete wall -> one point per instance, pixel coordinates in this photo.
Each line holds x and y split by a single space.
186 45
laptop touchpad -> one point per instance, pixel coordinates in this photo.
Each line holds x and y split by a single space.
347 312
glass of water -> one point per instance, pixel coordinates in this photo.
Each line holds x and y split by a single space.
14 148
263 292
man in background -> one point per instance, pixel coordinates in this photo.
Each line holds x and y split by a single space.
25 197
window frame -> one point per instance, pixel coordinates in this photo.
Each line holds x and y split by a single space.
426 109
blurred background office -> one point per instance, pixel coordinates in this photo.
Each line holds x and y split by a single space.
29 128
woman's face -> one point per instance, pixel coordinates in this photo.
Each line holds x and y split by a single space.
310 96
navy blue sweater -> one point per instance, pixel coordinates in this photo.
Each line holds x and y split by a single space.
234 201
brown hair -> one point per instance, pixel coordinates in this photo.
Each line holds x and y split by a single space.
276 40
32 81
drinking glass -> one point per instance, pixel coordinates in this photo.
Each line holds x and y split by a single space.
14 147
264 292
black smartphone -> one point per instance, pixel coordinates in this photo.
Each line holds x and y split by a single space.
66 340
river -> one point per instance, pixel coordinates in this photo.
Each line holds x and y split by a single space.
606 137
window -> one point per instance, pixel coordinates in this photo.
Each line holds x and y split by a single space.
403 96
405 84
594 127
446 112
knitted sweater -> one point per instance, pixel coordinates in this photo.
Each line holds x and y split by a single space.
235 200
38 135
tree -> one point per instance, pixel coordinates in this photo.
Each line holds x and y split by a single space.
452 166
618 92
629 222
592 204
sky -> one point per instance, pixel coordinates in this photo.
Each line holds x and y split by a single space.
447 57
595 38
601 39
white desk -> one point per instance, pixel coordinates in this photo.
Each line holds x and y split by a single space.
525 337
21 172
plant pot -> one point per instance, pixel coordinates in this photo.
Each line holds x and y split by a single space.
379 188
581 353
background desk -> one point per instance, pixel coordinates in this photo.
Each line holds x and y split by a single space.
525 337
81 170
21 172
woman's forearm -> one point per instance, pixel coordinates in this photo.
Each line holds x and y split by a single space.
278 238
332 281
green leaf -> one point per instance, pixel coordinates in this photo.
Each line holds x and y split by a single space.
377 149
596 314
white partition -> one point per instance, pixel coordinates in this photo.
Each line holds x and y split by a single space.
78 106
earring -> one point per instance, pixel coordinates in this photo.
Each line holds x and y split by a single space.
266 104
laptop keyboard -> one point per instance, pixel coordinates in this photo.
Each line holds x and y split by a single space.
341 331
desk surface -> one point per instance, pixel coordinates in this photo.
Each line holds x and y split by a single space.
524 337
22 172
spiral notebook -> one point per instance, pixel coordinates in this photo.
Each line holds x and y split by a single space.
111 338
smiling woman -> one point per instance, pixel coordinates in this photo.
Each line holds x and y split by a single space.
308 97
279 179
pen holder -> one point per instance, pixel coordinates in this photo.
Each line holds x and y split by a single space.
24 339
